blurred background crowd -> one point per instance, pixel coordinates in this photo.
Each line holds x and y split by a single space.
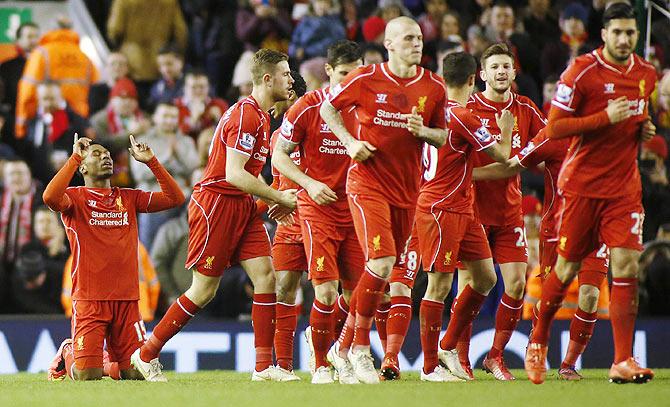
176 65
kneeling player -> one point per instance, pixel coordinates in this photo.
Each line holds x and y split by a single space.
100 219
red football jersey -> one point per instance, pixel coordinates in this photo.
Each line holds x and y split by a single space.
283 183
448 170
244 128
96 218
603 163
381 100
325 158
552 153
499 201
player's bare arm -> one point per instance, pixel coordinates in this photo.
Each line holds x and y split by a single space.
500 151
434 137
358 150
498 170
237 176
281 160
140 151
54 194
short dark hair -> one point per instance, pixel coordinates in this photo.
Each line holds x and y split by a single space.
171 49
457 67
165 102
343 52
495 49
19 30
502 4
618 11
265 61
299 85
196 72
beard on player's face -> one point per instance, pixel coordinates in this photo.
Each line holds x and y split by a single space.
621 53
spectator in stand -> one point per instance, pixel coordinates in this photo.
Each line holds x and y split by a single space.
115 123
655 189
352 23
655 275
373 30
116 68
540 23
27 38
57 59
204 140
197 110
150 287
36 283
51 132
242 83
548 92
314 74
37 280
20 198
141 28
477 41
263 24
573 42
390 9
660 102
316 31
170 86
431 21
373 54
176 152
450 26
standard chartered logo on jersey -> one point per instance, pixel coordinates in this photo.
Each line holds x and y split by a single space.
108 218
388 119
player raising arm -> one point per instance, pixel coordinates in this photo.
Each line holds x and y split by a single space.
101 219
223 226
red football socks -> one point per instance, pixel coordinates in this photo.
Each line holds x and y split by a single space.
430 316
321 321
287 319
263 320
466 308
370 291
381 316
581 329
623 311
400 315
553 292
341 312
507 318
176 317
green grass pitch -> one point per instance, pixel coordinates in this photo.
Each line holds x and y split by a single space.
225 388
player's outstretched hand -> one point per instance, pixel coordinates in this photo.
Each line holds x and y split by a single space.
281 214
648 130
414 122
80 145
360 150
140 151
505 121
321 193
288 199
618 110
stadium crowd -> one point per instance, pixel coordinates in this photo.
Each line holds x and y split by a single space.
176 66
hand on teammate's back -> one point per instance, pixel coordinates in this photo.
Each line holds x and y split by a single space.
505 121
288 198
618 110
80 145
140 151
321 193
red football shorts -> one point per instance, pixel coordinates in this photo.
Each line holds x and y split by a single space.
407 268
508 243
223 230
334 253
119 322
586 222
288 250
594 266
447 237
382 229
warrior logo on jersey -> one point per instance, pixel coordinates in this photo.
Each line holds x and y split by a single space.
381 97
319 263
609 88
377 243
119 205
421 104
563 93
209 261
447 258
247 141
483 135
485 122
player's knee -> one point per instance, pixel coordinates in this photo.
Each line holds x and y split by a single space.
88 374
624 263
566 271
439 285
400 290
265 282
382 267
326 293
588 298
515 288
285 294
